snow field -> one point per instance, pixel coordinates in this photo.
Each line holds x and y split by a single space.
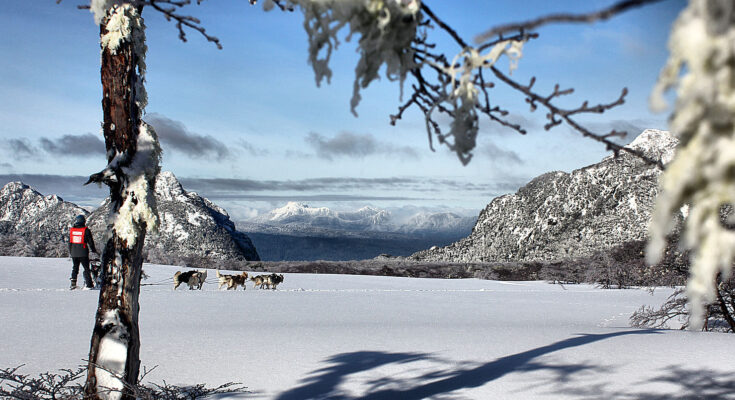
342 336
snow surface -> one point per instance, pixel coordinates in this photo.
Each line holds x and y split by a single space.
348 337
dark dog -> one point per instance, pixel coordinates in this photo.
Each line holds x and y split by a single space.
192 278
275 279
267 281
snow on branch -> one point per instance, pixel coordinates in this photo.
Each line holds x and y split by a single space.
700 177
169 8
460 88
386 29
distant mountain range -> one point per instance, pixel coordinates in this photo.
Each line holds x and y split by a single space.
561 215
299 232
299 217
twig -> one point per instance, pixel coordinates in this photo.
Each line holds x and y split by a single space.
600 15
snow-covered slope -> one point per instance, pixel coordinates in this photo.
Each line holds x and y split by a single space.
366 337
190 225
24 210
567 215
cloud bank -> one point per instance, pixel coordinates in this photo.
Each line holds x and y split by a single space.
352 145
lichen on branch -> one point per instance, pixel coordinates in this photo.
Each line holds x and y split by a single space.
701 176
386 29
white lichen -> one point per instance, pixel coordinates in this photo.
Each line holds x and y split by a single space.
702 173
386 29
461 94
99 8
138 210
111 357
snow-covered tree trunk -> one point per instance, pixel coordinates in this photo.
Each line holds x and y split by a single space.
133 156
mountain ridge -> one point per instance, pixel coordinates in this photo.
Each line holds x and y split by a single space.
559 215
29 216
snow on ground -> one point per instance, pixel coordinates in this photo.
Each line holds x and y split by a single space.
350 337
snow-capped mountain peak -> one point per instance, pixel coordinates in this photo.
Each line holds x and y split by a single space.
655 144
298 216
296 212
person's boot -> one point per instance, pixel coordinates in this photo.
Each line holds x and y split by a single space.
73 284
88 283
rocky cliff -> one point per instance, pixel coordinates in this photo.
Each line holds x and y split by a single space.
562 215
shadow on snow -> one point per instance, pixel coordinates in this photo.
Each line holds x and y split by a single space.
324 383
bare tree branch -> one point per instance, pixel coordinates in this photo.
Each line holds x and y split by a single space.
429 96
600 15
566 115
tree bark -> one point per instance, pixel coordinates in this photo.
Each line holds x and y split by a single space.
114 359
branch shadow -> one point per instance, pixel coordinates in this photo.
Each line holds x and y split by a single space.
686 384
324 382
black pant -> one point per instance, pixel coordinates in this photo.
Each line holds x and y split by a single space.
75 270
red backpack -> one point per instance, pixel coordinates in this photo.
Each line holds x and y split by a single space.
76 236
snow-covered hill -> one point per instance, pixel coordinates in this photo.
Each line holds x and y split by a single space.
562 215
366 337
24 211
190 224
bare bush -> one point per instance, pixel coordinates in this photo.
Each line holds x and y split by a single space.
67 385
675 312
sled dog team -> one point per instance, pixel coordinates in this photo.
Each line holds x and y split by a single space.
195 280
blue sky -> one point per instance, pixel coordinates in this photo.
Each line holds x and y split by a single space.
247 126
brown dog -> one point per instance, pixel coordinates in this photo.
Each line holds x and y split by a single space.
258 281
232 281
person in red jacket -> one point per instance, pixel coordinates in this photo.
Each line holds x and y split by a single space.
80 243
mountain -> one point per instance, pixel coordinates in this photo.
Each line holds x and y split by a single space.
301 216
297 231
32 223
298 218
445 223
191 226
562 215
